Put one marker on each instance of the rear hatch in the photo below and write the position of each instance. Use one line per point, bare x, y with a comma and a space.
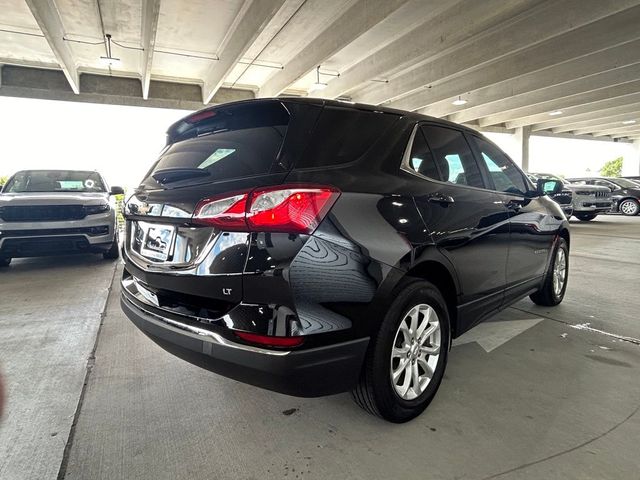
212, 153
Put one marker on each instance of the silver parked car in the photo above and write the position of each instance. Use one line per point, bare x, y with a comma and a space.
587, 201
48, 212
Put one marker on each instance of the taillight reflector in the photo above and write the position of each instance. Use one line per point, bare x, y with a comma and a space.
269, 341
287, 209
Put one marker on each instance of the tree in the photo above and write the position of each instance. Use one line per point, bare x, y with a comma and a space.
3, 180
613, 168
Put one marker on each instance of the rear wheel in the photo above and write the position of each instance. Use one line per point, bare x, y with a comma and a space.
114, 251
555, 282
5, 261
406, 360
585, 217
629, 207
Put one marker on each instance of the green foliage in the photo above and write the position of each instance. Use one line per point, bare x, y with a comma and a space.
3, 180
613, 168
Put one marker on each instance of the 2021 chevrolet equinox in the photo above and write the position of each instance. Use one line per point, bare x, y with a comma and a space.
312, 247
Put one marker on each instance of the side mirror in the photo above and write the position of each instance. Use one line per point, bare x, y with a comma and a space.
116, 191
548, 186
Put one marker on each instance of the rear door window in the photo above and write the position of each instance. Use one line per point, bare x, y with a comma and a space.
343, 135
450, 158
234, 142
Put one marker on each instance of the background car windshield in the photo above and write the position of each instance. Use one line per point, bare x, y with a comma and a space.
54, 181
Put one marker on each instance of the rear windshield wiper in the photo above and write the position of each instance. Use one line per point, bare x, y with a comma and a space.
170, 175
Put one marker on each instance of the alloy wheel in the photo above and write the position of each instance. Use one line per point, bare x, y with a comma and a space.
629, 207
415, 351
559, 271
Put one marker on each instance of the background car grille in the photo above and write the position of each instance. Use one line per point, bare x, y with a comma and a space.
601, 194
31, 213
563, 198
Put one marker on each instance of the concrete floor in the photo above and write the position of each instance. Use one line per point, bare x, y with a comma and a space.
526, 396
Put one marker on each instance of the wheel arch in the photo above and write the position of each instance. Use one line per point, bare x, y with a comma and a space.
438, 274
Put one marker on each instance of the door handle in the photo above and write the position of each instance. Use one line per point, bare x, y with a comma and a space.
440, 198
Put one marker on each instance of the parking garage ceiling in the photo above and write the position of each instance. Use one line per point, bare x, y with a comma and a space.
560, 67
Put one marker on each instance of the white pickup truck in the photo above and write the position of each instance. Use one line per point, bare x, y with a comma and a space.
49, 212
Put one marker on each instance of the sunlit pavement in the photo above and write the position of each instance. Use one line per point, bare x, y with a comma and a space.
536, 393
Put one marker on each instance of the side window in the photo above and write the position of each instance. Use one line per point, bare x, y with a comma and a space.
343, 135
505, 175
421, 160
452, 156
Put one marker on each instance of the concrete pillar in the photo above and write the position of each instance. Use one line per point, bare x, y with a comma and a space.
636, 158
522, 135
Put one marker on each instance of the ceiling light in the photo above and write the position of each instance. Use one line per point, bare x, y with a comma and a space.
556, 112
459, 101
318, 85
628, 122
109, 60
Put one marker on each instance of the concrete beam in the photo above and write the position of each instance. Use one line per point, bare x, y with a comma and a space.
253, 18
568, 105
358, 19
576, 137
27, 82
607, 125
618, 131
620, 114
48, 19
455, 22
569, 119
517, 47
605, 68
150, 14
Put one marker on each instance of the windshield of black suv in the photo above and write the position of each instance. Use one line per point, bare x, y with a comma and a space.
54, 181
624, 183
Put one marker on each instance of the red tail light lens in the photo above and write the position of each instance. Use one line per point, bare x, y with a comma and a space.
287, 209
290, 210
268, 341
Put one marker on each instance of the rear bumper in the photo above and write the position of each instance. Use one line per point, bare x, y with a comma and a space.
310, 372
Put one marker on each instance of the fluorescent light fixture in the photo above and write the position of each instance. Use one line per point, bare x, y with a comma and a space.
318, 86
110, 61
458, 102
628, 122
555, 112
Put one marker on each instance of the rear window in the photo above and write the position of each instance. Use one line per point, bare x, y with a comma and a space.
238, 141
343, 135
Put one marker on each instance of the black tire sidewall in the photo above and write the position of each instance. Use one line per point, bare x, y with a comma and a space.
391, 406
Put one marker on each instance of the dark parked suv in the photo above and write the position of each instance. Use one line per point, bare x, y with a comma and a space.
312, 247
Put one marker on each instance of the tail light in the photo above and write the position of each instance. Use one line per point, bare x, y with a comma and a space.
269, 341
287, 208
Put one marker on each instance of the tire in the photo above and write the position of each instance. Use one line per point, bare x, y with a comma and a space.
114, 251
585, 217
549, 295
629, 207
376, 392
5, 261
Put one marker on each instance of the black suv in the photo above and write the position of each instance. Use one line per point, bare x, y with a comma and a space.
312, 247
